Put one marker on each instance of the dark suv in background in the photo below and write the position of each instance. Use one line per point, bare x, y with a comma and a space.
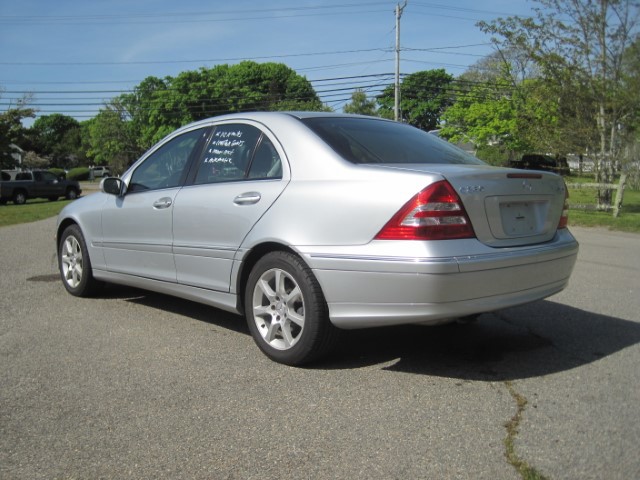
534, 161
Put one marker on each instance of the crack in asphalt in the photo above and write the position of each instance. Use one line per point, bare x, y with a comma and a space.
512, 426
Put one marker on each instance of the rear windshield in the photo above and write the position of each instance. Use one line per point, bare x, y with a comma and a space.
369, 140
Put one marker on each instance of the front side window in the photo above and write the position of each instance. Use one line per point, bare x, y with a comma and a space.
165, 167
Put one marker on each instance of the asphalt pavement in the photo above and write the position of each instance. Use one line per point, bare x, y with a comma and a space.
136, 385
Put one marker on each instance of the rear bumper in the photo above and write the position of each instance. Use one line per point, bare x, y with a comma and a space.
369, 290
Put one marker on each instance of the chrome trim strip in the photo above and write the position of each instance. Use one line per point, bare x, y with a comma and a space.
506, 252
143, 247
205, 247
377, 258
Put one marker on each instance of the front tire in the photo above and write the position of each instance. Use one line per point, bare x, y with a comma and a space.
286, 310
75, 264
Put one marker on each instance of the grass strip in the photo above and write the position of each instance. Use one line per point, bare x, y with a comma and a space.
32, 211
526, 471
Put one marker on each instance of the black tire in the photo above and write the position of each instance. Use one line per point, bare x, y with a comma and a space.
75, 265
20, 197
72, 194
294, 327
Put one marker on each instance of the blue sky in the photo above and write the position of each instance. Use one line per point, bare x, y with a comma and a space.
72, 54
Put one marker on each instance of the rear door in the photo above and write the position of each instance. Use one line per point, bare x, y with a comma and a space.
238, 177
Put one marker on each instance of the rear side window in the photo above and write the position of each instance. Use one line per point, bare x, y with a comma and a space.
238, 152
369, 140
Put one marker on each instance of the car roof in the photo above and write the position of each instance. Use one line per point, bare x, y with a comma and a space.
273, 116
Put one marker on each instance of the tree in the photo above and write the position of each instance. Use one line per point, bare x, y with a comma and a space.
360, 104
11, 130
580, 46
506, 114
158, 106
424, 97
32, 160
56, 136
110, 139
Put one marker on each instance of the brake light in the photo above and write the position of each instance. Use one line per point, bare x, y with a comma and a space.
435, 213
564, 218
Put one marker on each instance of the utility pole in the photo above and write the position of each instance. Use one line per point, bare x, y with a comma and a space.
396, 108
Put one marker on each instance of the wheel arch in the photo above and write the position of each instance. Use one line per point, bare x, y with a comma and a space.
67, 222
255, 254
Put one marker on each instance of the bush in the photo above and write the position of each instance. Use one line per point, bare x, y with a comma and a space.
58, 172
493, 155
80, 173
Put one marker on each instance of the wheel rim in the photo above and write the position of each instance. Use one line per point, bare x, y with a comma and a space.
72, 262
278, 309
72, 195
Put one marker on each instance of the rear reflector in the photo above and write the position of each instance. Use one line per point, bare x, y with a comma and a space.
564, 219
436, 213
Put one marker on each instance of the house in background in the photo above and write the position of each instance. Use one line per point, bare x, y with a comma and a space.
17, 154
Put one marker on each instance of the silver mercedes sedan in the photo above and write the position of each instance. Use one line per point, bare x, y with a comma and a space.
309, 223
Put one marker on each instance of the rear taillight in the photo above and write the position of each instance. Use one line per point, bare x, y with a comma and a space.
564, 219
436, 213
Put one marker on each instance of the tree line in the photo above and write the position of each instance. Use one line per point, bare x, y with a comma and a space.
566, 80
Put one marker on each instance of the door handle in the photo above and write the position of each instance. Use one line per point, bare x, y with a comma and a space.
248, 198
164, 202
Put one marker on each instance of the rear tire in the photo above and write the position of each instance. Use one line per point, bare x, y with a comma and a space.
286, 311
72, 194
19, 198
75, 265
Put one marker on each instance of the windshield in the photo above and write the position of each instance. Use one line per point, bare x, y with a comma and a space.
370, 140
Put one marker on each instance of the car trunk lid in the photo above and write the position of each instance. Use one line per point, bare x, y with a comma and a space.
507, 207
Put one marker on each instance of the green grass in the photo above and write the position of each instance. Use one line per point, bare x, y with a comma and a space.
526, 471
32, 211
628, 220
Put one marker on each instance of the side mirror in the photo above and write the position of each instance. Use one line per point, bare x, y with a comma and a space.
112, 186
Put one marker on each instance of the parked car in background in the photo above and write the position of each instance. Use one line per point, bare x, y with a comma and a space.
100, 171
547, 163
37, 184
308, 223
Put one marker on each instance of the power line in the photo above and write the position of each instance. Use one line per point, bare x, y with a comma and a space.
173, 15
97, 21
202, 60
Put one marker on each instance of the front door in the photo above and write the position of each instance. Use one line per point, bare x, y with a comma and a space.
137, 227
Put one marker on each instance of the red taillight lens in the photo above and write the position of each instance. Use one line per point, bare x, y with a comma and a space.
564, 219
436, 213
